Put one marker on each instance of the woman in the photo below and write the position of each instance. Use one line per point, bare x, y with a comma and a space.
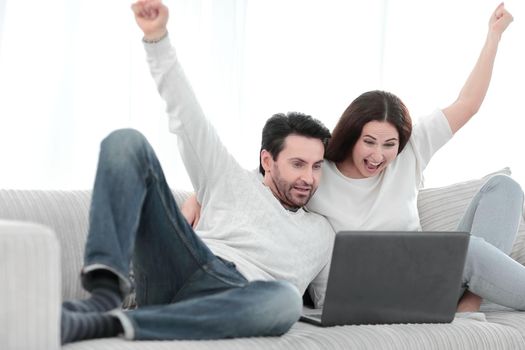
375, 168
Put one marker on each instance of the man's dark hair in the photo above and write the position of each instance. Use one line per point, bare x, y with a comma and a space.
281, 125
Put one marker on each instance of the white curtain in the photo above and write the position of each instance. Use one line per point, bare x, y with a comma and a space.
430, 48
72, 71
2, 13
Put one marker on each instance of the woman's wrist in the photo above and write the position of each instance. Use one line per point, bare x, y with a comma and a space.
492, 40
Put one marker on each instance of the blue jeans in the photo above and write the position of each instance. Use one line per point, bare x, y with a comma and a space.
493, 218
183, 290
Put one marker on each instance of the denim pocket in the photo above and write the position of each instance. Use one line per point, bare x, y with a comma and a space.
228, 263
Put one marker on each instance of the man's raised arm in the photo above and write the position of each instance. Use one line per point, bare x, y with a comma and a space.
205, 157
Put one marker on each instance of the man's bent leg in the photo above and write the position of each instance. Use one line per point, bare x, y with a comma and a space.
176, 265
260, 308
125, 163
116, 205
132, 202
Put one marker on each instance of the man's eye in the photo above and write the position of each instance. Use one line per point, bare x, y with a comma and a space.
297, 165
317, 166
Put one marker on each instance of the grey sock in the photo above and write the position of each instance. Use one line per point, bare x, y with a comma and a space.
101, 300
77, 326
105, 293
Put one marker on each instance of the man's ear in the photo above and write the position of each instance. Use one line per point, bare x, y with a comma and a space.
266, 160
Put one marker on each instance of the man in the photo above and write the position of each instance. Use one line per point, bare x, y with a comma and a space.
256, 250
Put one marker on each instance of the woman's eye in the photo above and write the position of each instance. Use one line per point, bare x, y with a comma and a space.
368, 142
390, 145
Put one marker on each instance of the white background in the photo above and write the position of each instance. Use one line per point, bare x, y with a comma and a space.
71, 71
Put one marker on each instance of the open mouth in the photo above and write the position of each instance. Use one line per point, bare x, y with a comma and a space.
372, 166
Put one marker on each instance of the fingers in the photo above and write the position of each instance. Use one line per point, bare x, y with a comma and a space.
137, 7
499, 7
501, 12
503, 19
197, 218
191, 210
500, 19
147, 9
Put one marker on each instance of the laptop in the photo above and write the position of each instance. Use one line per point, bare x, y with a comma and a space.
393, 277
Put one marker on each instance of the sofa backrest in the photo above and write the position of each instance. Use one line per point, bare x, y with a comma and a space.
66, 212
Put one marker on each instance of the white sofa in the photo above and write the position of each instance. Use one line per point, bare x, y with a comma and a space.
42, 235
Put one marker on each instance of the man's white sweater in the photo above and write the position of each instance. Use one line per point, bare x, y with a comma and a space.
241, 220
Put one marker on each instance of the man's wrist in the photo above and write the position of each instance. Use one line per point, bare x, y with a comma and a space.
155, 38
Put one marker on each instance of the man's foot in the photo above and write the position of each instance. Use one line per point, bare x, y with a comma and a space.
77, 326
105, 293
101, 300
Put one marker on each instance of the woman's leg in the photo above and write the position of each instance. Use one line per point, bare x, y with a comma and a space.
493, 218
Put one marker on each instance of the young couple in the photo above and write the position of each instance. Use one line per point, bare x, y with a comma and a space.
256, 249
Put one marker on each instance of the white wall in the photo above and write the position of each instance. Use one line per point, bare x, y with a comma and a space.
72, 71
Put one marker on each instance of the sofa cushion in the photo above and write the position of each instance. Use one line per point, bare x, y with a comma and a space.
441, 209
462, 334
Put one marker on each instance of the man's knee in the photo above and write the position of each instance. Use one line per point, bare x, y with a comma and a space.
289, 296
284, 307
123, 143
123, 138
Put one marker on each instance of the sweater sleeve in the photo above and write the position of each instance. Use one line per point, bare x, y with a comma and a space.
317, 287
203, 154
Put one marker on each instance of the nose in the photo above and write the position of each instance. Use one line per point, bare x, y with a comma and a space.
308, 176
377, 154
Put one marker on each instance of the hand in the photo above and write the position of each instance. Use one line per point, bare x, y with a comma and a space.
152, 18
191, 210
499, 20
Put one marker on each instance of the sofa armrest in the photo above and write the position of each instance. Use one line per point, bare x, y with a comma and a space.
30, 292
